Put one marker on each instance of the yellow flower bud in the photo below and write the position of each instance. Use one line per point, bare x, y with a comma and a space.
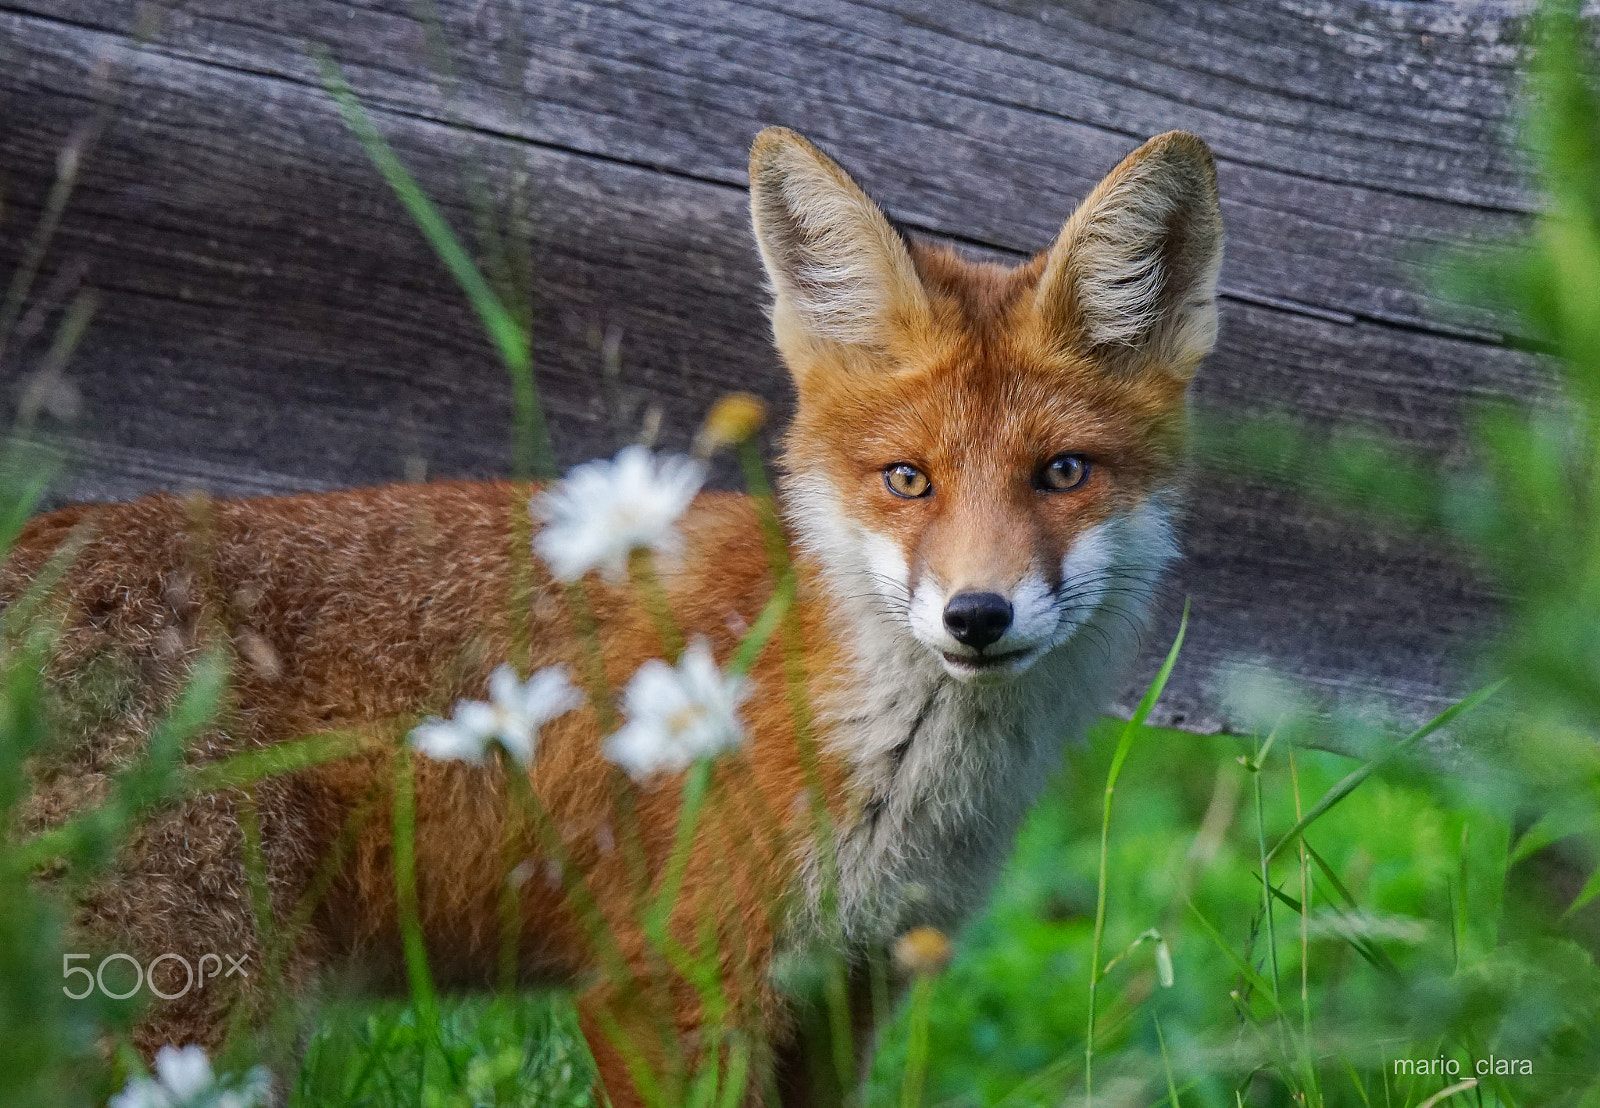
923, 951
732, 420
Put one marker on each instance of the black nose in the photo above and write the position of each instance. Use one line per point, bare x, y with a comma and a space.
977, 619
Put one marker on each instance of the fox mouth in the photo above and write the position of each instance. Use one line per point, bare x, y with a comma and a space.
969, 665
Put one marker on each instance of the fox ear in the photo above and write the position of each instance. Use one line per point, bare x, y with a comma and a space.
841, 274
1132, 277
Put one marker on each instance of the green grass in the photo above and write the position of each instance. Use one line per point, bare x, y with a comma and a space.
1008, 1017
523, 1051
1013, 1004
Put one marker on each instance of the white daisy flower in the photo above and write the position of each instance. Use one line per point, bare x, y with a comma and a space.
604, 511
512, 717
677, 714
184, 1080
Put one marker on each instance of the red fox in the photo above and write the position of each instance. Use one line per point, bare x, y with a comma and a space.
979, 487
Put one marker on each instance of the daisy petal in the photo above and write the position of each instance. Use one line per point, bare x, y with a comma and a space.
604, 510
678, 714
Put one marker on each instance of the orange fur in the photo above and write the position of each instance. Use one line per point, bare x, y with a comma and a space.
364, 610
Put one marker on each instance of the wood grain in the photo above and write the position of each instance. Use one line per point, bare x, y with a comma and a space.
270, 319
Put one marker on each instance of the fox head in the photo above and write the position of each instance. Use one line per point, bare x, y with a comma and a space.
990, 454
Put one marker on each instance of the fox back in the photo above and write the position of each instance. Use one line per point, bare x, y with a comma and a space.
979, 487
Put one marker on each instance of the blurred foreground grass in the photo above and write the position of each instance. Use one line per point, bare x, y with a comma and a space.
1008, 1017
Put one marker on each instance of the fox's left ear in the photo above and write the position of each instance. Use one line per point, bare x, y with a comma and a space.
1132, 277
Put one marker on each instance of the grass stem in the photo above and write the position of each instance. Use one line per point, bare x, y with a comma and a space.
1266, 870
917, 1042
653, 594
1124, 745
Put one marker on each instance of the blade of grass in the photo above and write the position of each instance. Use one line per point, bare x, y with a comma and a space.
250, 766
404, 815
654, 595
695, 788
68, 163
139, 789
1371, 950
1449, 1091
1166, 1066
255, 872
755, 639
733, 1089
327, 871
1355, 1079
1356, 942
1254, 765
74, 323
1124, 745
1353, 780
1548, 830
23, 483
1590, 890
1240, 966
532, 456
1313, 1088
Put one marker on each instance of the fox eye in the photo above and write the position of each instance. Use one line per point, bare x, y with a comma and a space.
907, 480
1063, 473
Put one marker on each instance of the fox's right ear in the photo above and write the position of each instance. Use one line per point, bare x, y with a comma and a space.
841, 274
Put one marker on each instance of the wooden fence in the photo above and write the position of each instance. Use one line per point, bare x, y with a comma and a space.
269, 319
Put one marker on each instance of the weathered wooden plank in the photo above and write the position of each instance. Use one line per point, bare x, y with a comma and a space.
270, 318
1353, 138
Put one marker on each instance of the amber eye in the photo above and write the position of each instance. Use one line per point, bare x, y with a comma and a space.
1063, 473
907, 480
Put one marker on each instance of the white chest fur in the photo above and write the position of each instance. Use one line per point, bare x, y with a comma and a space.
943, 770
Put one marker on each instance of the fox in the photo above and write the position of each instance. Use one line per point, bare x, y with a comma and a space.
979, 488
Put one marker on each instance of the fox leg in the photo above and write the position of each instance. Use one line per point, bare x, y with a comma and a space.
649, 1044
816, 1065
621, 1030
